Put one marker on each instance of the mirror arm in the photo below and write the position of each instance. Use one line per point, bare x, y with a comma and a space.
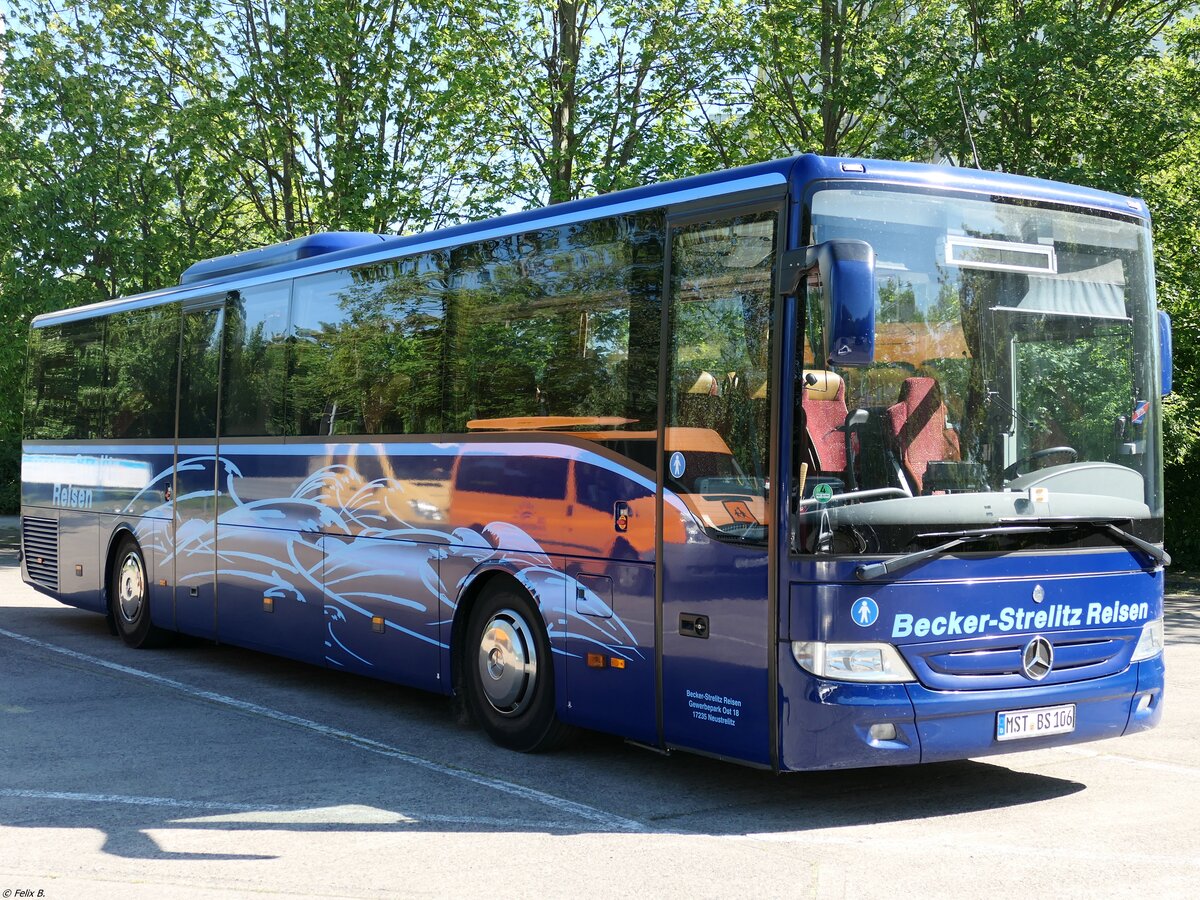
796, 264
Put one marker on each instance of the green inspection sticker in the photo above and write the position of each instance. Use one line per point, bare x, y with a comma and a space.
823, 492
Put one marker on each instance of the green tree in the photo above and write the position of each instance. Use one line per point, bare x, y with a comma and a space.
106, 191
1171, 186
1069, 91
820, 77
575, 98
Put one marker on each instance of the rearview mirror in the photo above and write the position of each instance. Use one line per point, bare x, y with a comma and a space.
1164, 352
846, 269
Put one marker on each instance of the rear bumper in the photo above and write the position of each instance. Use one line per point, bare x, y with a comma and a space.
828, 724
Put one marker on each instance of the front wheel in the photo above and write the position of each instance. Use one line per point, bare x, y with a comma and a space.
129, 596
509, 674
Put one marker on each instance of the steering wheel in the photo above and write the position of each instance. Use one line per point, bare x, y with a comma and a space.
1011, 471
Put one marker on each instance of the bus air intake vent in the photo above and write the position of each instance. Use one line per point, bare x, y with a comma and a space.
277, 254
40, 540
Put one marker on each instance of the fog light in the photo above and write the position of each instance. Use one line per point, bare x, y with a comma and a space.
882, 731
1143, 703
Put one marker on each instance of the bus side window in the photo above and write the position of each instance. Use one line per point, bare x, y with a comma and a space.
199, 370
722, 299
321, 396
142, 350
562, 321
64, 392
367, 349
497, 341
254, 369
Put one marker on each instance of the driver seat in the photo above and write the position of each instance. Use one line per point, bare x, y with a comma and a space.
917, 429
824, 403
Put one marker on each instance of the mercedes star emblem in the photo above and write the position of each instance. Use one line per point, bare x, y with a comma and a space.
1037, 659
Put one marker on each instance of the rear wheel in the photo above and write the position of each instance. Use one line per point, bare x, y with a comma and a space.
129, 596
509, 674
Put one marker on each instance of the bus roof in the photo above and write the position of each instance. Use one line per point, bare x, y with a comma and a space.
335, 250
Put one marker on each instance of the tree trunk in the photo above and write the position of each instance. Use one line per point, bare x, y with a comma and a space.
563, 66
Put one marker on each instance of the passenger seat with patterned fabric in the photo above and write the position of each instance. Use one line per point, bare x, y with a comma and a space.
918, 431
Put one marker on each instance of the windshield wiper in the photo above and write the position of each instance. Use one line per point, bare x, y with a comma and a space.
1101, 523
1026, 525
870, 572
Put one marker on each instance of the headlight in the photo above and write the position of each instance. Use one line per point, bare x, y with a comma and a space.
852, 662
1150, 644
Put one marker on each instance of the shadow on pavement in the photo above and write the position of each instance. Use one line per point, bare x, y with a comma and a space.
764, 804
100, 741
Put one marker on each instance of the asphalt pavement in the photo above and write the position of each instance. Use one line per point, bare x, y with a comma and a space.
204, 770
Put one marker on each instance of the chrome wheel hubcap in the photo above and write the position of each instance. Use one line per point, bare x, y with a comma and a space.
508, 663
131, 587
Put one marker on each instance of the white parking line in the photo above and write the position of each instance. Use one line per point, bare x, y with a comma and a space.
600, 818
1153, 765
271, 814
133, 801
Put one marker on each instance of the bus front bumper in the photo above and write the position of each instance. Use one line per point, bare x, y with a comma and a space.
834, 725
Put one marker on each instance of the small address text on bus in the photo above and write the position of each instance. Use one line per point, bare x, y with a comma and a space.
715, 708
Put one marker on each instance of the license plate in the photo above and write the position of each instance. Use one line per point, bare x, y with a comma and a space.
1016, 724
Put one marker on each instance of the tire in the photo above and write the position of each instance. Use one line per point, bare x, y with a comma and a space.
129, 598
509, 673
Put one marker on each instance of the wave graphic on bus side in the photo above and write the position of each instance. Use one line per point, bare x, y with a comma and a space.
343, 551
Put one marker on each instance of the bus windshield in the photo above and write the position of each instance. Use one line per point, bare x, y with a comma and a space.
1015, 373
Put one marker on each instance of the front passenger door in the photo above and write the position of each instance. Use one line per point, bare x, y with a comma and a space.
718, 626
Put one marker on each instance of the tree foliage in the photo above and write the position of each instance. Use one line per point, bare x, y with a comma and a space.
136, 139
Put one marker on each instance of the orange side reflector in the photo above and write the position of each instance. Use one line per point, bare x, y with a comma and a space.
616, 662
595, 660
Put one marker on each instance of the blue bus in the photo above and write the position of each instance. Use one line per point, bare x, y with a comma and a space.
810, 464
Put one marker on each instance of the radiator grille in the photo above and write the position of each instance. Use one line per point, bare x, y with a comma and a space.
997, 663
40, 540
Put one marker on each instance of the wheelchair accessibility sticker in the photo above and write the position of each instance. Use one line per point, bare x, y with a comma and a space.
866, 612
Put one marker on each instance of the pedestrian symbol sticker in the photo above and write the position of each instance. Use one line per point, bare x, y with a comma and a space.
678, 465
823, 492
865, 611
